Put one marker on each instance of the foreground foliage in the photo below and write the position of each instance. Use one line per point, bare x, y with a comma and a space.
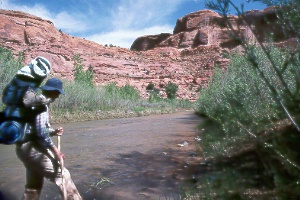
251, 129
242, 120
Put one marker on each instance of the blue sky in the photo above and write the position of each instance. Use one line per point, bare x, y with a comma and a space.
116, 22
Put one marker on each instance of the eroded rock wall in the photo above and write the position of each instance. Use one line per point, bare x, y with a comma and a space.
185, 57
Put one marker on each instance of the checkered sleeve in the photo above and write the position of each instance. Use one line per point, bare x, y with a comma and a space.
43, 129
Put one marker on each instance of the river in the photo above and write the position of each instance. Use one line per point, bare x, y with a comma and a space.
130, 158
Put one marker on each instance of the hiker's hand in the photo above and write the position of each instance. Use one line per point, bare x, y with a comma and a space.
59, 131
58, 155
60, 158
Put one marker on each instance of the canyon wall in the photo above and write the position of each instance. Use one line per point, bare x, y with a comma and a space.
185, 57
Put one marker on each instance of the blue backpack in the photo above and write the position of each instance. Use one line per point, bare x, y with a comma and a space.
16, 117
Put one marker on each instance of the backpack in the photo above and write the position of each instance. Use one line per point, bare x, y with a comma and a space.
12, 132
16, 117
16, 122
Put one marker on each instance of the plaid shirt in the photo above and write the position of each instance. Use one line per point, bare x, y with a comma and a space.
43, 129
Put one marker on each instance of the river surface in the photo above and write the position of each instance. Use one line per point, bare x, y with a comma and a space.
126, 159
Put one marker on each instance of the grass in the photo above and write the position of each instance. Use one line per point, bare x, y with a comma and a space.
83, 103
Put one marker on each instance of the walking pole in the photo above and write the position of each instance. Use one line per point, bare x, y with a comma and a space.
58, 142
59, 148
62, 169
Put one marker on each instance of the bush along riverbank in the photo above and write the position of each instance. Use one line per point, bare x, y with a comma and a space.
250, 133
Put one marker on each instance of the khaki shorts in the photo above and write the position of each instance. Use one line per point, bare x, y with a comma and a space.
41, 164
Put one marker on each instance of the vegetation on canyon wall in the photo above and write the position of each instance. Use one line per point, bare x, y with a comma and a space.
250, 133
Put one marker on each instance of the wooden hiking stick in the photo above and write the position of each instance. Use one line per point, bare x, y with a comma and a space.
62, 168
58, 142
59, 148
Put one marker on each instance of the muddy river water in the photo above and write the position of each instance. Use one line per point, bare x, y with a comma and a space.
129, 158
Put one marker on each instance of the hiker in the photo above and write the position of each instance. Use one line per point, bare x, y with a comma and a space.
40, 156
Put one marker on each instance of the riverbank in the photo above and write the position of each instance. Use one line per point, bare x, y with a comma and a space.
65, 117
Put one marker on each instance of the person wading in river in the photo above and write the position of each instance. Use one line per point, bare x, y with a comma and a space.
41, 158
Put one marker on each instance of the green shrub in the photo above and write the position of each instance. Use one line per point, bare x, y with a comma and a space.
124, 92
154, 95
154, 92
8, 68
171, 90
129, 92
150, 86
85, 77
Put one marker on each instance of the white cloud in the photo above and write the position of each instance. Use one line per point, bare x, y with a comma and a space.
141, 13
125, 37
135, 18
68, 23
63, 20
120, 23
37, 9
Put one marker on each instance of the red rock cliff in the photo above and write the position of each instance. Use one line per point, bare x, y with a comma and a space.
207, 28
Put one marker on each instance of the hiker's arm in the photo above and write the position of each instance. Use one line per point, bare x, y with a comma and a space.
42, 131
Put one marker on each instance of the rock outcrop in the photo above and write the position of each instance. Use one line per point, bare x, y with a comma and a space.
207, 28
185, 57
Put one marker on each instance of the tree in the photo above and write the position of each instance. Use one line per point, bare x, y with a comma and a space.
85, 77
171, 90
150, 86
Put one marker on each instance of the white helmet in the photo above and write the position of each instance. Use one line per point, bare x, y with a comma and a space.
38, 68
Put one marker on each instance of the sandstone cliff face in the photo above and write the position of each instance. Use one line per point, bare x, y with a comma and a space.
185, 57
207, 28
